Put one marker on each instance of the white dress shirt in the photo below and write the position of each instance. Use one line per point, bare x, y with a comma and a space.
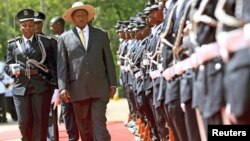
25, 40
86, 34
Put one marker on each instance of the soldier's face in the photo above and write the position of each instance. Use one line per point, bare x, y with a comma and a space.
122, 35
55, 28
132, 34
38, 27
138, 35
158, 15
80, 18
127, 35
151, 17
145, 31
27, 28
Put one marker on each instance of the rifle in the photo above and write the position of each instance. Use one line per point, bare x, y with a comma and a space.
227, 19
162, 39
169, 25
177, 46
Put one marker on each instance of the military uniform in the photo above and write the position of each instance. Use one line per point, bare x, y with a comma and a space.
32, 86
172, 97
53, 134
236, 80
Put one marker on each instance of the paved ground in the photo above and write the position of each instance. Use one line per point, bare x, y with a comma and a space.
117, 111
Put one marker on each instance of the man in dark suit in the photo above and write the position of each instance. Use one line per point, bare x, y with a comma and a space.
67, 112
57, 24
30, 61
86, 72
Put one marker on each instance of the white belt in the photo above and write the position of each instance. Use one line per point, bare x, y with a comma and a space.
145, 62
138, 74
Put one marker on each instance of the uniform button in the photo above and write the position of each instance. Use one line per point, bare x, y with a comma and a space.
217, 66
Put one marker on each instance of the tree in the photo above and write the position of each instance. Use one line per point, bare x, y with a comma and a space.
108, 13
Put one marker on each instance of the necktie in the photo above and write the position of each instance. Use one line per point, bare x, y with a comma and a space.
82, 37
28, 44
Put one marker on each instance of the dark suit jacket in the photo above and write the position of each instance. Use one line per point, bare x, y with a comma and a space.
86, 74
38, 83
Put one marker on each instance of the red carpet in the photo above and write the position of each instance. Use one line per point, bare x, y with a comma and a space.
117, 130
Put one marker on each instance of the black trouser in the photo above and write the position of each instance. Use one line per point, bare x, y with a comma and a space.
159, 113
131, 101
3, 118
91, 119
33, 113
161, 121
53, 134
70, 121
154, 132
10, 107
237, 82
177, 123
144, 105
191, 122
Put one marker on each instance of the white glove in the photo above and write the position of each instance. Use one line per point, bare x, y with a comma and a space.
183, 107
15, 69
56, 98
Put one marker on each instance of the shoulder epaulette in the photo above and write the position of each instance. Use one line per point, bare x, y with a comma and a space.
44, 36
14, 39
53, 37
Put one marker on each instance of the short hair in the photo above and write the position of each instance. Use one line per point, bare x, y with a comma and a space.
57, 19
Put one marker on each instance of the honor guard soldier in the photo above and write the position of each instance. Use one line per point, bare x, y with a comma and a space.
53, 134
180, 52
155, 19
233, 39
31, 62
208, 80
127, 75
39, 18
172, 93
57, 25
121, 31
145, 120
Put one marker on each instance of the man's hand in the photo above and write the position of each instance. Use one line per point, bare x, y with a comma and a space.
56, 98
15, 69
16, 72
112, 91
64, 94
